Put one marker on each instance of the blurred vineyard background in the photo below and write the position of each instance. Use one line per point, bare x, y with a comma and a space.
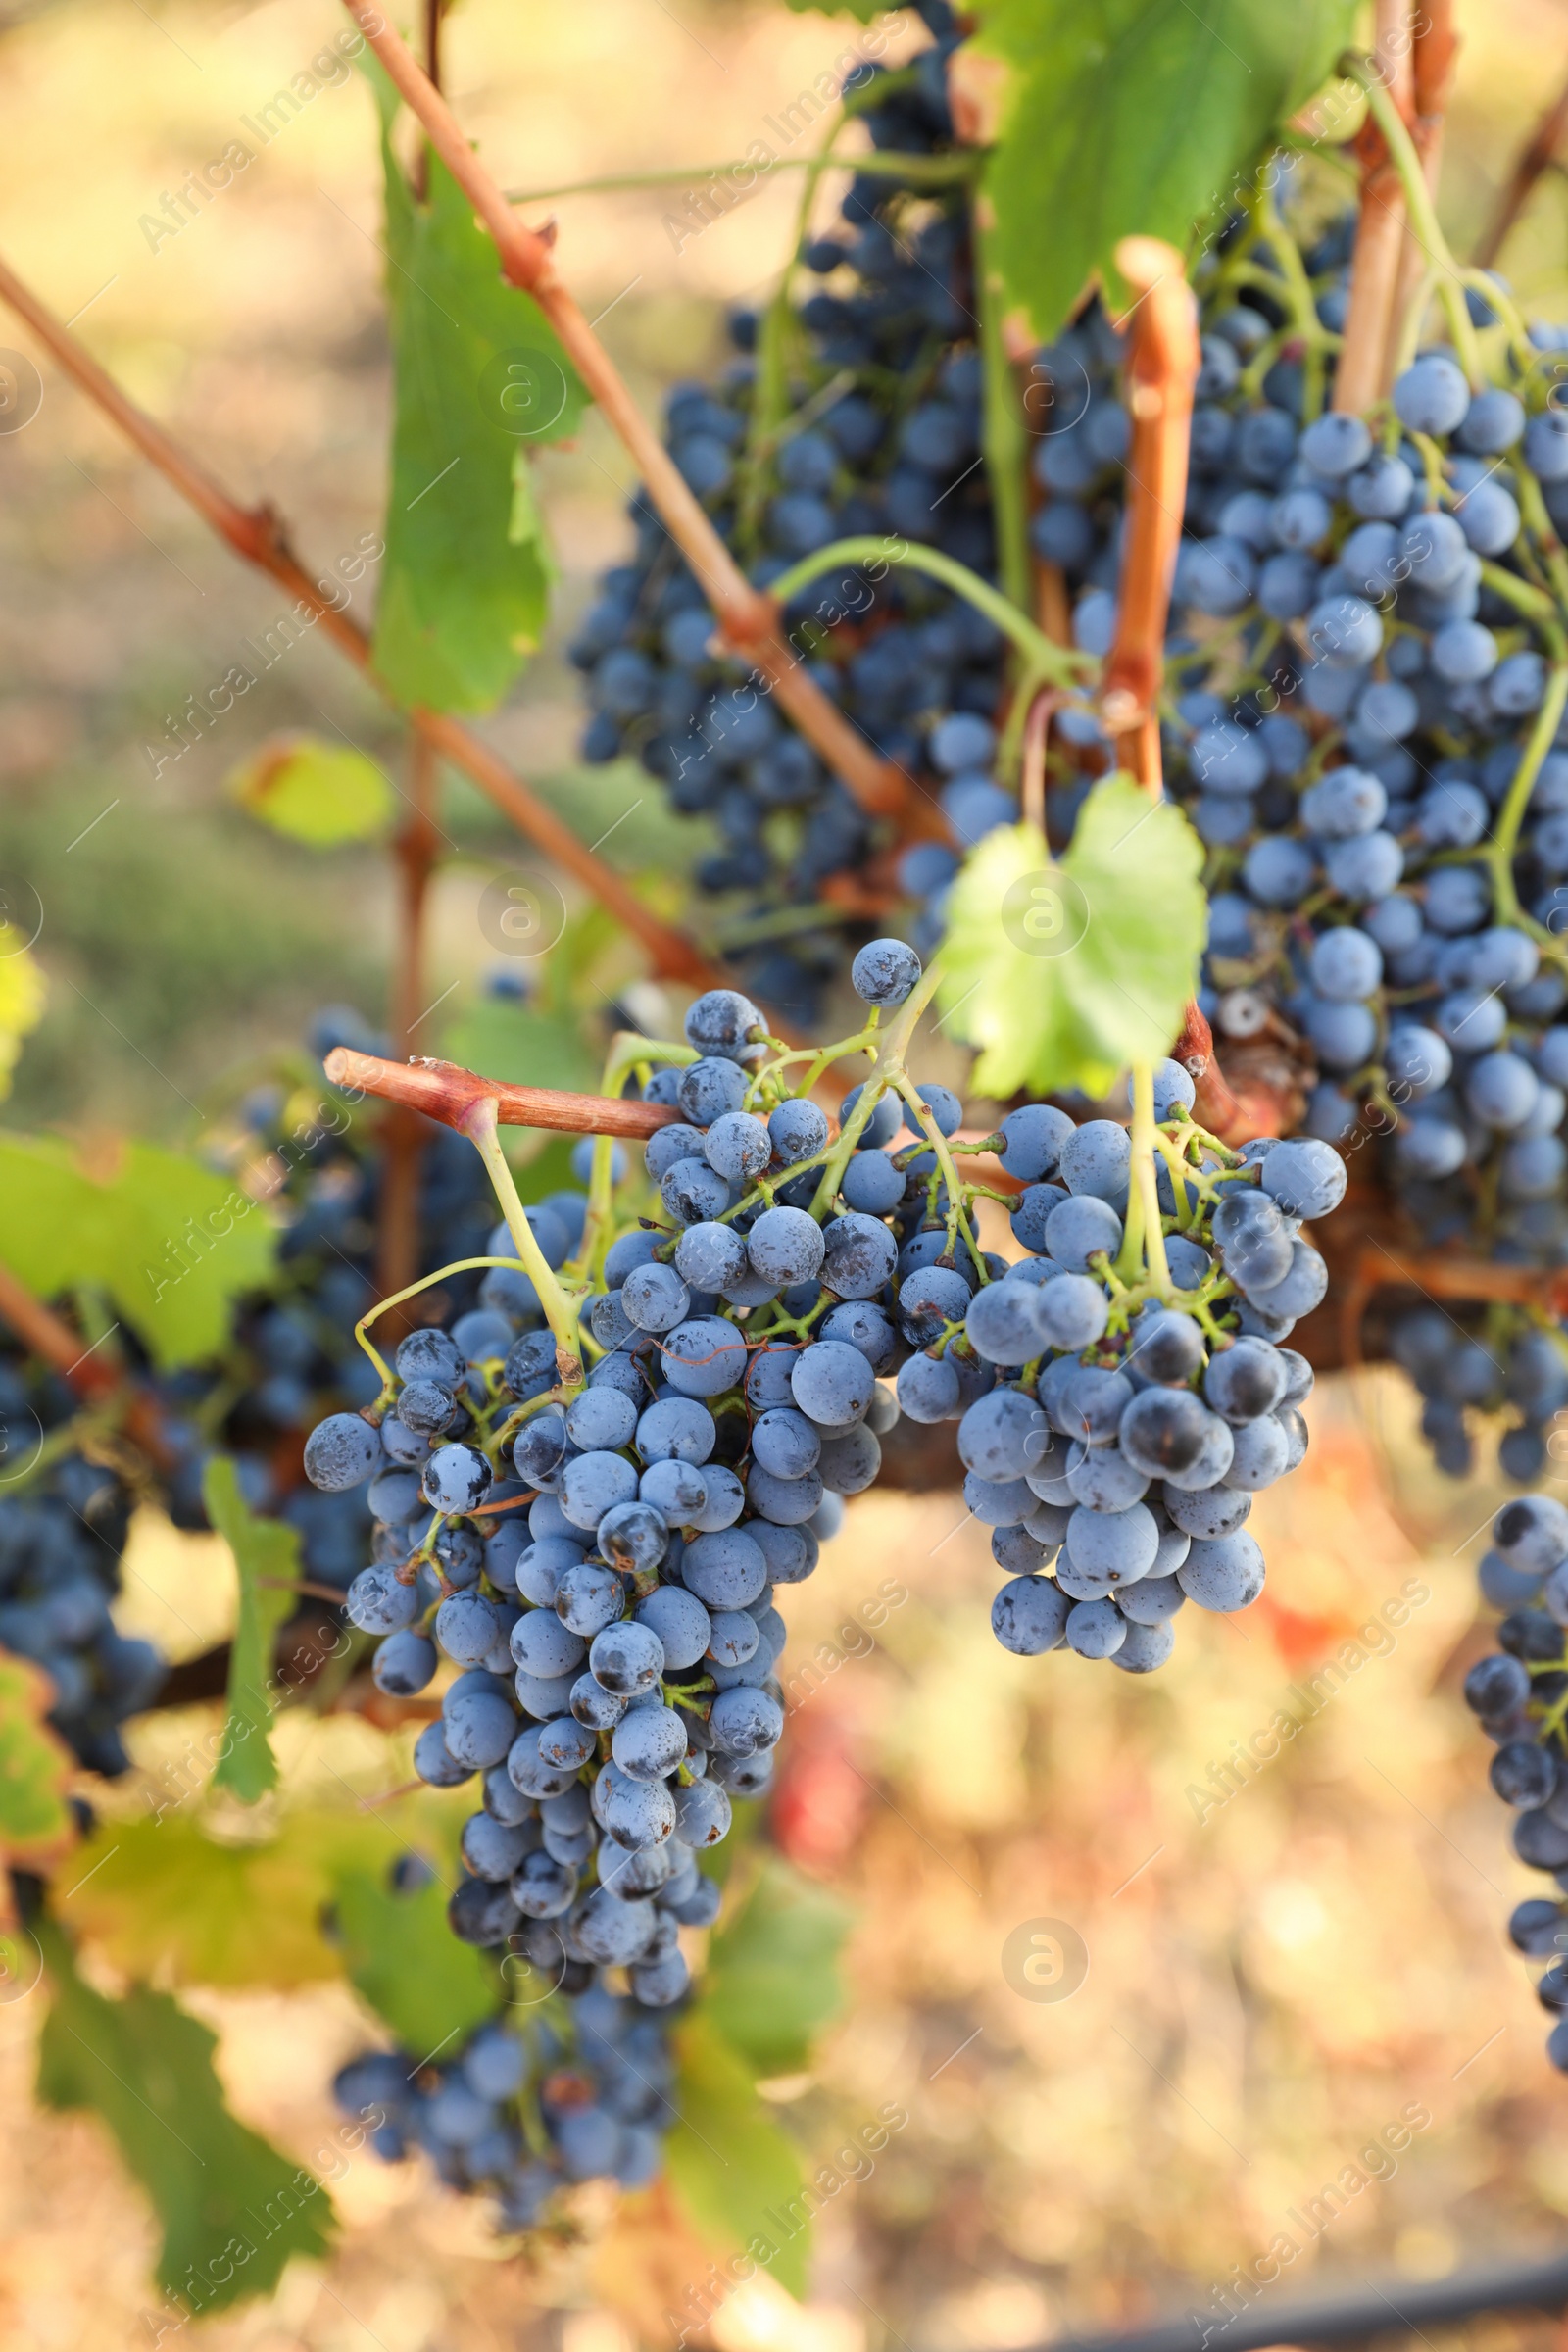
1269, 1987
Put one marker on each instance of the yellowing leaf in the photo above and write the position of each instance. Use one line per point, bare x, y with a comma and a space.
232, 2209
1124, 117
35, 1822
170, 1242
267, 1553
21, 999
1063, 973
160, 1894
318, 793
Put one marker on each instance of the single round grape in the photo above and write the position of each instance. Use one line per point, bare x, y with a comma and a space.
1071, 1311
721, 1022
676, 1429
927, 1389
725, 1570
654, 1299
404, 1664
378, 1603
341, 1451
785, 1245
1223, 1573
799, 1130
456, 1477
1029, 1616
649, 1742
885, 972
626, 1659
709, 1257
704, 1356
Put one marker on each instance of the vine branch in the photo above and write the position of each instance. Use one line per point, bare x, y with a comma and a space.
1380, 234
748, 616
1162, 370
258, 535
444, 1091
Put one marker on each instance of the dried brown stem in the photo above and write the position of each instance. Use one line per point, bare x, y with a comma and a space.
1162, 370
1380, 231
258, 535
749, 618
1536, 158
1235, 1113
415, 857
443, 1091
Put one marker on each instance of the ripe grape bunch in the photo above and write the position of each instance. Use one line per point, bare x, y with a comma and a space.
882, 436
1123, 1390
1372, 742
1520, 1693
615, 1635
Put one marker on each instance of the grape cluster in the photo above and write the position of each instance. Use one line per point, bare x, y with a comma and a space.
1115, 1420
63, 1528
1520, 1693
599, 1558
1370, 741
883, 438
574, 2087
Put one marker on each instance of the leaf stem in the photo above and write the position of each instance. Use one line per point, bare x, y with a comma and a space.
481, 1128
1423, 214
1505, 837
1063, 665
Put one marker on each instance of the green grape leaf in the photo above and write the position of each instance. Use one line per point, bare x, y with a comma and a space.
1063, 973
522, 1046
267, 1554
771, 1981
480, 380
170, 1242
405, 1961
232, 2210
35, 1769
1124, 117
315, 792
734, 2170
160, 1894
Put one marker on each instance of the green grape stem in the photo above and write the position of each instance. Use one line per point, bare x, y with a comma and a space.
1424, 222
483, 1132
1046, 661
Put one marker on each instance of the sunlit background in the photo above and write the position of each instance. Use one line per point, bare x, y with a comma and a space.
1271, 1982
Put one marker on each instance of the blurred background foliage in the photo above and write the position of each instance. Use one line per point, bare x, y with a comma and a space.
1267, 1987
